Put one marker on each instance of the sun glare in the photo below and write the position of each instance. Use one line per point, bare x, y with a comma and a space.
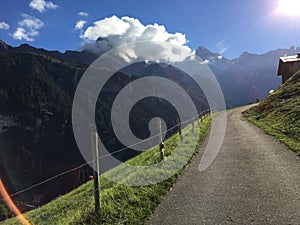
12, 205
289, 7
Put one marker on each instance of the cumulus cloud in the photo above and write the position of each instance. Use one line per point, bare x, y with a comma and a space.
84, 14
111, 32
30, 22
28, 28
80, 24
107, 27
4, 26
22, 34
42, 5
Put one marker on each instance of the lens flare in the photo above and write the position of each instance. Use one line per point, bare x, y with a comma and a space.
12, 205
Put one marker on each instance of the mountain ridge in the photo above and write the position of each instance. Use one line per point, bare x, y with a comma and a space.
252, 75
203, 52
79, 57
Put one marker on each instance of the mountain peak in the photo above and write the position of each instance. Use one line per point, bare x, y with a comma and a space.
26, 47
246, 53
205, 54
3, 45
294, 48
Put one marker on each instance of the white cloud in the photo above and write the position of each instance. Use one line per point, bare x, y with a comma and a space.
31, 22
106, 27
42, 5
4, 26
80, 24
83, 14
28, 28
114, 31
22, 34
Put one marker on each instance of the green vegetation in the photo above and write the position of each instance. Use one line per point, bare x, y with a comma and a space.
36, 92
279, 114
4, 211
121, 204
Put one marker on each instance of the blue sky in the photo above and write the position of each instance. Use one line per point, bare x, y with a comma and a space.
229, 27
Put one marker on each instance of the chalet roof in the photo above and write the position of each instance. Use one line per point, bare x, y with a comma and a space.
292, 58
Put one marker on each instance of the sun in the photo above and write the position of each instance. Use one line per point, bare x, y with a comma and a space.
289, 7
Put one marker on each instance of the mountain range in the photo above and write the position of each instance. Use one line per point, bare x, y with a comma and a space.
36, 92
243, 80
249, 77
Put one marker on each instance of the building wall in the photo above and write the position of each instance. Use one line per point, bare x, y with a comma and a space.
289, 69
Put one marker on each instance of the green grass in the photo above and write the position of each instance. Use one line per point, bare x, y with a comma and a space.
120, 204
279, 114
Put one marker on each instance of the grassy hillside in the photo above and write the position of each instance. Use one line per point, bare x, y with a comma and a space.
279, 114
121, 204
36, 91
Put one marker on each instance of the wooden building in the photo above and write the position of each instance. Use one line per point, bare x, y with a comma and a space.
288, 65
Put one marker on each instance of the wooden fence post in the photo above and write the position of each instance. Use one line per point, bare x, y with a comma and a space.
96, 172
193, 125
161, 143
179, 128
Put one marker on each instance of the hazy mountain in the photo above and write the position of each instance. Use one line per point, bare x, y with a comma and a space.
247, 78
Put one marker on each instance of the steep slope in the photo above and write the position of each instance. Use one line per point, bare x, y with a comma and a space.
36, 136
279, 113
120, 204
36, 140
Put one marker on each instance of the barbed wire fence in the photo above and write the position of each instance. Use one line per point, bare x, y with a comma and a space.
182, 124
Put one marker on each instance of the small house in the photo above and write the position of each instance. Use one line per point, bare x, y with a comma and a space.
288, 65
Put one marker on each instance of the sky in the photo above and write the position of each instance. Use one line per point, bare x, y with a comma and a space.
228, 27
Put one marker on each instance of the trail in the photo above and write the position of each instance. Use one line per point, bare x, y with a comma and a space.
254, 180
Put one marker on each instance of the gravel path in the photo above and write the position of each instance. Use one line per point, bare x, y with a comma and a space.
253, 180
